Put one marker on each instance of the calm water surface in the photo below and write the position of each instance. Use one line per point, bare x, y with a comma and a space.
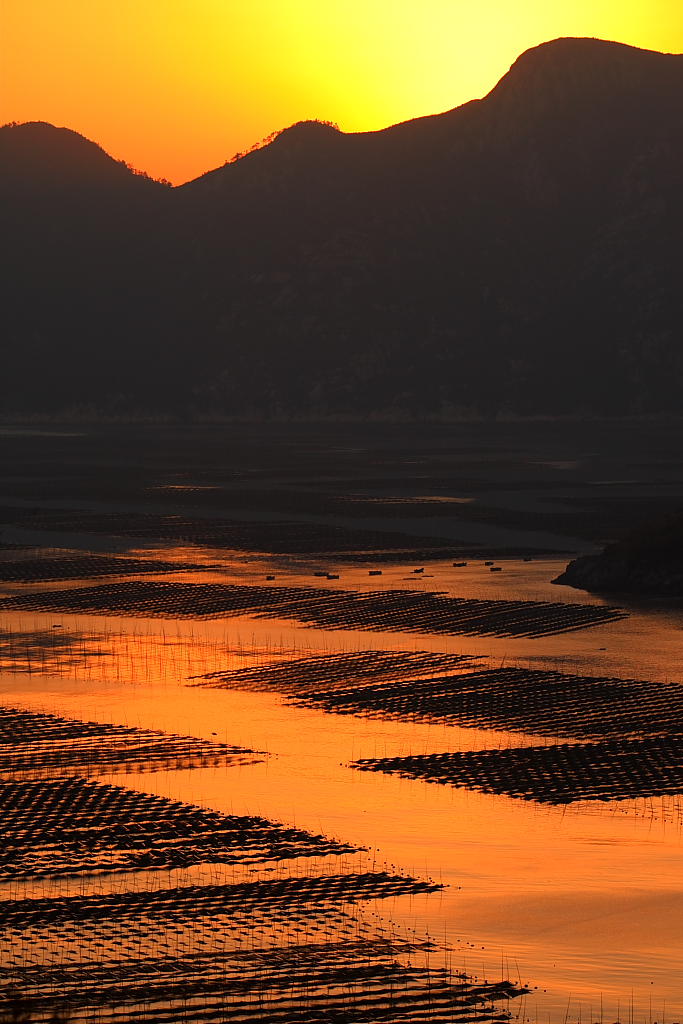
584, 902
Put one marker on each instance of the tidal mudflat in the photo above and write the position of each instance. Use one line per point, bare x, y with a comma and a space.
187, 833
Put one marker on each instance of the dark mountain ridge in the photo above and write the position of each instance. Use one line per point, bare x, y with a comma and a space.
516, 254
40, 157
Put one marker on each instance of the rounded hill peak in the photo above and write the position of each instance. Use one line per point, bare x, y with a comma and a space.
306, 135
581, 70
309, 129
37, 154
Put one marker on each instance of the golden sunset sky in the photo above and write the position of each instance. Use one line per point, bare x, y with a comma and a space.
176, 87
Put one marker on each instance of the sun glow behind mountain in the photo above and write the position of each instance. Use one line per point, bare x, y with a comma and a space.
177, 87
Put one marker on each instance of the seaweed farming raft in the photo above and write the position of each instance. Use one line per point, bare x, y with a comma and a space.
84, 567
76, 826
289, 951
32, 743
288, 948
561, 773
403, 611
442, 688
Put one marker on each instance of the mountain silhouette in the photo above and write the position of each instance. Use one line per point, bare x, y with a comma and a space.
39, 157
518, 254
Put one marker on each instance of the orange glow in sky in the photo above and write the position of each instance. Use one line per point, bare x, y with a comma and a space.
176, 87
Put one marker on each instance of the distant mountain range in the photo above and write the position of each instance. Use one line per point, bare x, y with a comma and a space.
518, 254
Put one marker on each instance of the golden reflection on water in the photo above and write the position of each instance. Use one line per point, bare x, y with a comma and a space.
585, 901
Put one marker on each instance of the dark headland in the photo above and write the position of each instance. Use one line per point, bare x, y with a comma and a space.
518, 255
648, 561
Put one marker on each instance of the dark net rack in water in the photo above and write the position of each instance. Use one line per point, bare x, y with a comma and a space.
288, 951
404, 611
325, 671
561, 773
440, 688
75, 826
84, 567
240, 900
33, 743
377, 986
